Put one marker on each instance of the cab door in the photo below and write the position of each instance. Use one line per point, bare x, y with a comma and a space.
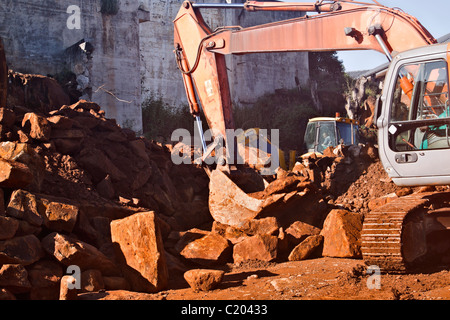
414, 133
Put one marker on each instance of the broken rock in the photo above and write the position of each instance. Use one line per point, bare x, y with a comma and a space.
212, 249
14, 277
8, 227
342, 234
299, 231
258, 247
14, 174
36, 126
70, 251
61, 216
204, 279
20, 250
139, 247
45, 277
24, 206
307, 248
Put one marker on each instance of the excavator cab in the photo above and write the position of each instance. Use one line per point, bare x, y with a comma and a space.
414, 126
324, 132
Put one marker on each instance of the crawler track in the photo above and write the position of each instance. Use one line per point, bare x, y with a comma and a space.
384, 240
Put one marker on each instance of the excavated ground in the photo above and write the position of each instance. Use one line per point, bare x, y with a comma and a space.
316, 279
76, 168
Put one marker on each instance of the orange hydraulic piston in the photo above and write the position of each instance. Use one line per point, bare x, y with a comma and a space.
294, 6
406, 86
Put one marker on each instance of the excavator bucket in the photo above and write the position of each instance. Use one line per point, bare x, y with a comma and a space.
3, 76
228, 203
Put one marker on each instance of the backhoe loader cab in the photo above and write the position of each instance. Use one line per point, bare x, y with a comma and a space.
325, 132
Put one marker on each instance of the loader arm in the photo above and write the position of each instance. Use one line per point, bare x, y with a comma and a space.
338, 25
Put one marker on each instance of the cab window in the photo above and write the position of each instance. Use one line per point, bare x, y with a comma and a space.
420, 115
327, 136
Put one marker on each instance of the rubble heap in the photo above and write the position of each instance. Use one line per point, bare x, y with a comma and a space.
80, 193
68, 172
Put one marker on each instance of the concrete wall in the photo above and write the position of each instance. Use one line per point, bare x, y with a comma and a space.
132, 52
36, 37
250, 76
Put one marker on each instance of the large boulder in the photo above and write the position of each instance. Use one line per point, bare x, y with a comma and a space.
342, 234
140, 251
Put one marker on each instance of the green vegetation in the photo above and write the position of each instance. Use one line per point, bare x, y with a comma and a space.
160, 119
286, 110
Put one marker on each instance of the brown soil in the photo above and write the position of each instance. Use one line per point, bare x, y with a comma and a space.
315, 279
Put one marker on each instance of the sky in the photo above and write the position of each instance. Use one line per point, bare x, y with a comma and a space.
432, 14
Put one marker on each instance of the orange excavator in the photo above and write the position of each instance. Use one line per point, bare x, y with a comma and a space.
412, 117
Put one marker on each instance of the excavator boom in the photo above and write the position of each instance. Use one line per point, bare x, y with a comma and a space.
339, 25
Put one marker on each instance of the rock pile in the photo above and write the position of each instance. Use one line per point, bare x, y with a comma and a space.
69, 180
85, 200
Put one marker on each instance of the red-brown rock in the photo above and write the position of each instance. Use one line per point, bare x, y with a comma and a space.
258, 247
299, 231
14, 174
204, 279
342, 234
21, 250
212, 249
8, 227
70, 251
45, 277
14, 277
36, 126
92, 281
139, 247
307, 248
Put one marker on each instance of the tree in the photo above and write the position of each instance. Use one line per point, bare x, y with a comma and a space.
327, 82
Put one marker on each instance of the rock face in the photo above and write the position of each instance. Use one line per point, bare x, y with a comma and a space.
341, 232
138, 244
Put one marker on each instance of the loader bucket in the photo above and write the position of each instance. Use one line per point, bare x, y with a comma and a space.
228, 203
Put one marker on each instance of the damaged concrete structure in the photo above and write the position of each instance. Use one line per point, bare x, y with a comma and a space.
121, 52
